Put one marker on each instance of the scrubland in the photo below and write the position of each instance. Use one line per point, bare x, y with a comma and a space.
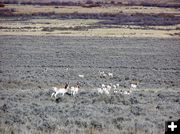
42, 46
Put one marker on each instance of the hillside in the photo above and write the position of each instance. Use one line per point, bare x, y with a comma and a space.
94, 1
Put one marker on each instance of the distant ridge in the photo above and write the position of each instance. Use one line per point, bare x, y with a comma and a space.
95, 3
104, 1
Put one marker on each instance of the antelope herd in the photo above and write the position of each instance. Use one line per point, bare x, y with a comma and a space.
64, 88
104, 89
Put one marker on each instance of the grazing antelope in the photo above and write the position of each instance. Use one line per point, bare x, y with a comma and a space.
100, 90
134, 84
109, 87
102, 74
106, 89
74, 89
110, 74
81, 76
59, 90
127, 92
119, 91
103, 85
114, 86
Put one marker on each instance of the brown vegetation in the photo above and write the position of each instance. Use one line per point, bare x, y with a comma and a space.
94, 3
2, 5
125, 20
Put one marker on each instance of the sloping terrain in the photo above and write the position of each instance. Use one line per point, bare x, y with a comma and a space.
106, 1
78, 20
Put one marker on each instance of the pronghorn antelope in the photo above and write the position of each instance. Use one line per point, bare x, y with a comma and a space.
100, 90
62, 89
104, 89
103, 85
117, 85
110, 74
134, 84
81, 75
108, 88
102, 74
105, 75
127, 92
114, 86
74, 89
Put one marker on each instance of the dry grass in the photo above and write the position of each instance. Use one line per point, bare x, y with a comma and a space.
6, 129
38, 24
82, 27
13, 129
65, 27
29, 9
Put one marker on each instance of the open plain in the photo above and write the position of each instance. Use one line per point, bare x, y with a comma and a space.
31, 65
91, 43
